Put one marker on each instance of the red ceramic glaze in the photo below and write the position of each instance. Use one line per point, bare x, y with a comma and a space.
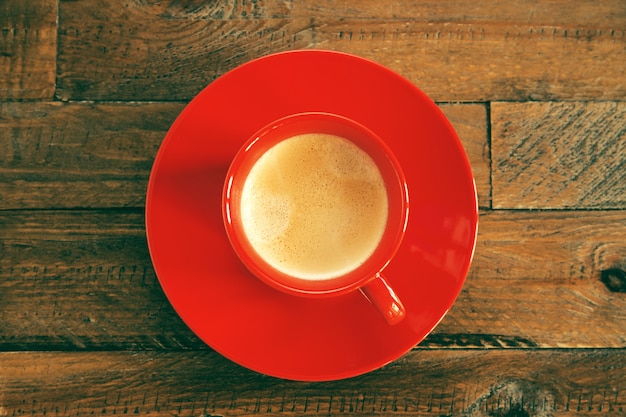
254, 324
315, 122
384, 299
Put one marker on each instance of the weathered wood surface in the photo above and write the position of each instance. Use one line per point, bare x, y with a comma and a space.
570, 383
28, 49
101, 154
147, 51
535, 282
545, 155
171, 50
58, 155
559, 155
536, 91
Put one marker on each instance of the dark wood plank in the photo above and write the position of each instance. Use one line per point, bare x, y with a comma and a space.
165, 51
558, 383
28, 47
547, 155
538, 276
69, 155
459, 50
458, 61
55, 155
559, 155
92, 277
535, 282
452, 51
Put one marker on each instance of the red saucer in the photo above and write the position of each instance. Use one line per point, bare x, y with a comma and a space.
264, 329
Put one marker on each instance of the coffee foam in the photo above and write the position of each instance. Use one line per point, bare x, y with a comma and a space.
314, 206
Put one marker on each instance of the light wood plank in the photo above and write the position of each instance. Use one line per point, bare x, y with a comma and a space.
559, 155
426, 383
573, 14
69, 155
28, 47
535, 282
149, 51
217, 9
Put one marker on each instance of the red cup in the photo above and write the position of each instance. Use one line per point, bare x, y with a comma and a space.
364, 273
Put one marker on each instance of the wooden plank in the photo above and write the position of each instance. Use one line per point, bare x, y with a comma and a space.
69, 155
538, 276
217, 10
470, 123
575, 14
458, 61
559, 155
79, 155
459, 50
535, 282
169, 51
559, 383
94, 282
454, 54
28, 46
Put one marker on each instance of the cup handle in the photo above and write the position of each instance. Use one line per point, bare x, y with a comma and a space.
382, 296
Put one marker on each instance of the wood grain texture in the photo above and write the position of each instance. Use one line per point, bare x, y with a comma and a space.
426, 383
164, 50
97, 155
559, 155
80, 154
535, 282
460, 61
471, 124
459, 50
573, 14
537, 276
536, 91
92, 281
516, 54
28, 47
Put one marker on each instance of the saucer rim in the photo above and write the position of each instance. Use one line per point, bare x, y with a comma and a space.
334, 375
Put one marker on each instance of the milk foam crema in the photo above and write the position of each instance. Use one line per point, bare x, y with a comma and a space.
314, 206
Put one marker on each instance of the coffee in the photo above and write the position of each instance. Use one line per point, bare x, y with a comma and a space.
314, 206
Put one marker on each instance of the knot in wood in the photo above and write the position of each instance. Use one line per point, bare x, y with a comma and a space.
614, 279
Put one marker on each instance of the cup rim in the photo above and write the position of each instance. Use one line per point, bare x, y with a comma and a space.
357, 277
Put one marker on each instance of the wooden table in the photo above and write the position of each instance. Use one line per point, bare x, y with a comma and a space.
536, 91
